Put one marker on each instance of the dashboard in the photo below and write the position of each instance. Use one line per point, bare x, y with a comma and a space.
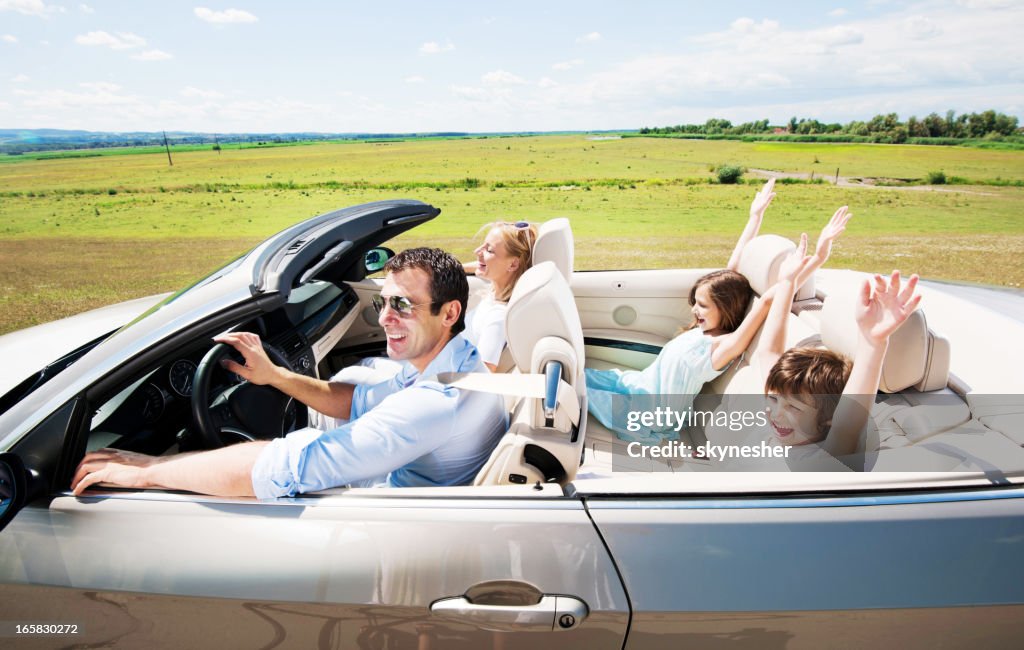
153, 413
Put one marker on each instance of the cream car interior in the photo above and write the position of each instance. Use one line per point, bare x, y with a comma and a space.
922, 419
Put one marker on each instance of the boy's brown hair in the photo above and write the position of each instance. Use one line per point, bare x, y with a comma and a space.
812, 372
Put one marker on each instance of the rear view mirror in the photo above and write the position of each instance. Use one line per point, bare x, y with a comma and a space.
12, 487
376, 258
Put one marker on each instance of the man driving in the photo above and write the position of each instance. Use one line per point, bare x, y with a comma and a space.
407, 431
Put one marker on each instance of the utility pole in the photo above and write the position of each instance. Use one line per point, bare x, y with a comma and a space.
168, 147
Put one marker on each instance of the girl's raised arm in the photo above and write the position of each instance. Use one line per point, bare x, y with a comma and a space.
761, 201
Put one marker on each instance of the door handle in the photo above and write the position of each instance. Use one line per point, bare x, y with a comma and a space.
551, 614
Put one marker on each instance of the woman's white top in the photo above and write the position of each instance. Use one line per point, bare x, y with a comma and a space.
485, 328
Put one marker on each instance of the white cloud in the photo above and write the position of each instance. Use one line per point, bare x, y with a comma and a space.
989, 4
191, 91
29, 7
122, 41
592, 37
470, 93
567, 65
224, 17
86, 9
414, 79
20, 79
9, 38
838, 12
546, 82
152, 55
921, 27
100, 86
840, 35
433, 47
502, 78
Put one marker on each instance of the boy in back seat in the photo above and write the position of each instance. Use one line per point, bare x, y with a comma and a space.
804, 385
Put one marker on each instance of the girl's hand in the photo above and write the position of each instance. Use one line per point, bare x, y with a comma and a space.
881, 314
832, 230
761, 201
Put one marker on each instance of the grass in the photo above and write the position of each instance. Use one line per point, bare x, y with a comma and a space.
79, 233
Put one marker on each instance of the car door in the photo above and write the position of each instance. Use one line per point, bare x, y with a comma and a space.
918, 569
353, 569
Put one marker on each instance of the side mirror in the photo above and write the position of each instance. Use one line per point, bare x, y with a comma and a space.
376, 258
12, 487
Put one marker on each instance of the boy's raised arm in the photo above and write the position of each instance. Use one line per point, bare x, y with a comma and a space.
773, 338
879, 314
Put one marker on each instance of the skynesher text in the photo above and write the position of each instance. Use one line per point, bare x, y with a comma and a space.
676, 449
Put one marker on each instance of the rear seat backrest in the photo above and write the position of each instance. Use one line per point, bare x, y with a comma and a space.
917, 357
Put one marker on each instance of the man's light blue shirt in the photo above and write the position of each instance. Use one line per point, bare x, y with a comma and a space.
411, 428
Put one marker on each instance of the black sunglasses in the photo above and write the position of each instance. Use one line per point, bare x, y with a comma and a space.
400, 304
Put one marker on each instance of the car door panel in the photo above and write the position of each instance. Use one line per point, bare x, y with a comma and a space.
810, 573
352, 567
640, 306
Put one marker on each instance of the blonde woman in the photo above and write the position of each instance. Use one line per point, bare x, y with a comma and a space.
502, 258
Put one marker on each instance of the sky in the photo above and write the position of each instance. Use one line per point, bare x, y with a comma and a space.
395, 66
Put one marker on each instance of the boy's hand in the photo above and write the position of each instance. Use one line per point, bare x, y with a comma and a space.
797, 261
879, 315
831, 231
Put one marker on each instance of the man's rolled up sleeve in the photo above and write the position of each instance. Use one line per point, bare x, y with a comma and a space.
279, 467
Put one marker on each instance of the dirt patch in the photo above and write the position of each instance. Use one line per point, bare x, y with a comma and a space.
864, 182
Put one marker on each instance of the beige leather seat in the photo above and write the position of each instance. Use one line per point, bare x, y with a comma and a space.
544, 338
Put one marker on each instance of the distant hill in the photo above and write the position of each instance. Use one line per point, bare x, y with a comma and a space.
15, 141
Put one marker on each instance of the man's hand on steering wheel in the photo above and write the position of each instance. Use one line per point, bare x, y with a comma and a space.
258, 368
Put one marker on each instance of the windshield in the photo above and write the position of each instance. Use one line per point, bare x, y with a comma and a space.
227, 268
46, 374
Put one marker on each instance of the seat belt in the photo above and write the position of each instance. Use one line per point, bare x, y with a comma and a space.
515, 385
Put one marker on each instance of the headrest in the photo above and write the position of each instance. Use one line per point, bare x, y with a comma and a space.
761, 260
555, 244
542, 306
917, 357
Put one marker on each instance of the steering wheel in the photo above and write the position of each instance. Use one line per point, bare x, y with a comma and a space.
246, 410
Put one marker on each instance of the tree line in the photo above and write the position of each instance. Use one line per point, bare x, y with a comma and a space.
887, 128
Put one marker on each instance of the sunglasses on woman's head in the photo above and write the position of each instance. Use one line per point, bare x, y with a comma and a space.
518, 225
400, 304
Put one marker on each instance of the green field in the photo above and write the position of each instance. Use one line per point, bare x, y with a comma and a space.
81, 232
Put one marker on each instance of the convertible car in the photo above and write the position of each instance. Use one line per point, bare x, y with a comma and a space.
568, 538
